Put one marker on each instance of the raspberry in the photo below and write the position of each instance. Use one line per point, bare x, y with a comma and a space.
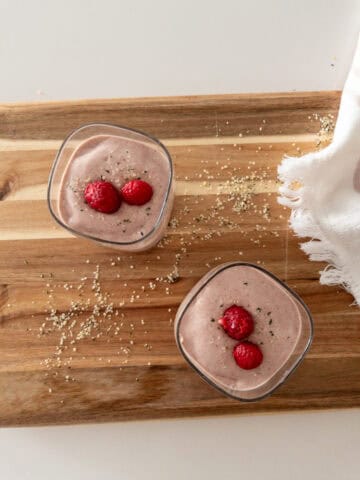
102, 196
247, 355
136, 192
237, 322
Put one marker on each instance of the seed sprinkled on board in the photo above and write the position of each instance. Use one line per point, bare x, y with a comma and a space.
227, 195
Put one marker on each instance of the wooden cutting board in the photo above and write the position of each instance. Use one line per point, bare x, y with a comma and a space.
142, 375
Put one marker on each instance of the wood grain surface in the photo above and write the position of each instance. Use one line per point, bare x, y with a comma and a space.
42, 266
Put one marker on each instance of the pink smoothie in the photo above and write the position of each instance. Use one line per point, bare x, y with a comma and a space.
281, 322
117, 160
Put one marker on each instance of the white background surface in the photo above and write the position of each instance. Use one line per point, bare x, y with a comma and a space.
114, 48
118, 48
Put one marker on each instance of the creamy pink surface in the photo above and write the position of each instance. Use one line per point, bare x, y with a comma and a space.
278, 317
116, 160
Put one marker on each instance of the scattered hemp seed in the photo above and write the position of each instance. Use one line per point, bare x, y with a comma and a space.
232, 191
174, 223
173, 276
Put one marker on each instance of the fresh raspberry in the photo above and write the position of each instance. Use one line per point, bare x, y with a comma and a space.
102, 196
237, 322
247, 355
136, 192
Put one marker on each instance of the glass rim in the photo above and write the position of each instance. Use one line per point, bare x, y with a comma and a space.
91, 237
216, 271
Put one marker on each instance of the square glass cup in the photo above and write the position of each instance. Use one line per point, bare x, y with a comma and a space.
65, 155
195, 340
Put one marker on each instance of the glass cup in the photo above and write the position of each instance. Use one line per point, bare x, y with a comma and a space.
65, 155
283, 329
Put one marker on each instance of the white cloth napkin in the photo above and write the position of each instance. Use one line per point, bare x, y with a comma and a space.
326, 207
